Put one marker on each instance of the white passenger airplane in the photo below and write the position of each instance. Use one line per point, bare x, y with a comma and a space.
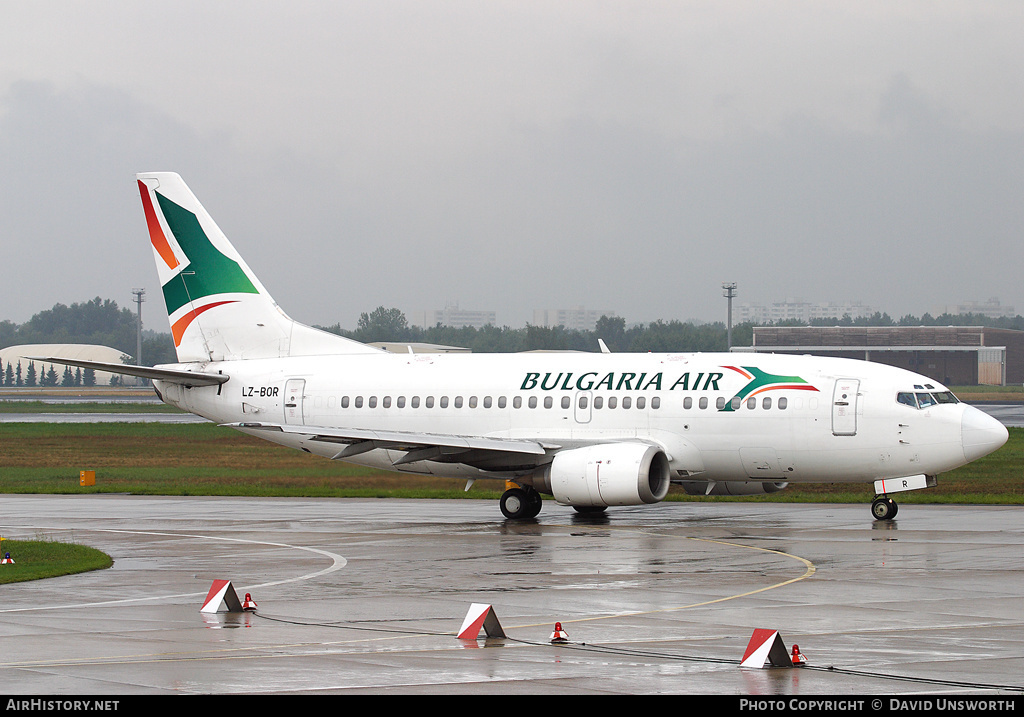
592, 430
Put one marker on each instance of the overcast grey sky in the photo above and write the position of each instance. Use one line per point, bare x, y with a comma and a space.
520, 155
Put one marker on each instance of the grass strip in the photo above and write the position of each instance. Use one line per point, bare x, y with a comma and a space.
36, 559
205, 459
85, 407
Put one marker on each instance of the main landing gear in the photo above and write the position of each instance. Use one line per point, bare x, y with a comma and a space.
884, 508
521, 503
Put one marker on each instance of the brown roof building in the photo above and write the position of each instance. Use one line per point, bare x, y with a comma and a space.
953, 355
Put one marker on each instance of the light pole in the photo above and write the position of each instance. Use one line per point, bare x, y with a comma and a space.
729, 291
140, 295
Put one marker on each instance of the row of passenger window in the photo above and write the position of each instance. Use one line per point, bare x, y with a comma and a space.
501, 402
766, 403
599, 402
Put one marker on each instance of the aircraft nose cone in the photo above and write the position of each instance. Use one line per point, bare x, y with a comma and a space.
980, 433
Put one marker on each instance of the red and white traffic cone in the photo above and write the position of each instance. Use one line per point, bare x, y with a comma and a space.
249, 604
798, 659
559, 636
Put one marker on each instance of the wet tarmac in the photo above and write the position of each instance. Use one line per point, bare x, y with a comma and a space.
1010, 415
366, 596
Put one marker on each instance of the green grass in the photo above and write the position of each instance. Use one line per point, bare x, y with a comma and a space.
36, 559
189, 459
84, 407
1007, 394
205, 459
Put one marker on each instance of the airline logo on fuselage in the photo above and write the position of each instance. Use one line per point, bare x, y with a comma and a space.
612, 381
758, 382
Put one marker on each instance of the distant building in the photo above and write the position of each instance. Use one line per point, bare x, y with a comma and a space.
85, 352
992, 309
577, 318
798, 310
452, 315
953, 355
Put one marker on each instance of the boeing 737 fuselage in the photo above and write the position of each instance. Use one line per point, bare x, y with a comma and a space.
591, 429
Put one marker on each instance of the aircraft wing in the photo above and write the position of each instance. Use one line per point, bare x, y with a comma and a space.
185, 378
478, 451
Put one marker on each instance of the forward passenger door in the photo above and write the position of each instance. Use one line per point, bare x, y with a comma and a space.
844, 407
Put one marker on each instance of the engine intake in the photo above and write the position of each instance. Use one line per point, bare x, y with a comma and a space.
606, 474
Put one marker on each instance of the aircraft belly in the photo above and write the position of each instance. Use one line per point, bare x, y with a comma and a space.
765, 463
419, 467
839, 460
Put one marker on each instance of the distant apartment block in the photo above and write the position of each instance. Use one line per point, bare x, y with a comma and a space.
577, 318
452, 315
992, 308
799, 310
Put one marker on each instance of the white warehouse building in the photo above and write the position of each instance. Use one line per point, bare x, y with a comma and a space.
12, 355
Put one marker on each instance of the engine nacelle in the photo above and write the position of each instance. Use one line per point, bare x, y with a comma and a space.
731, 487
606, 474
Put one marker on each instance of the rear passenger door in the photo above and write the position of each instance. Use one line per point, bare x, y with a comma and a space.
293, 399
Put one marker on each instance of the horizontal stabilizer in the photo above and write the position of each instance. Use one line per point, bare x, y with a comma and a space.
170, 375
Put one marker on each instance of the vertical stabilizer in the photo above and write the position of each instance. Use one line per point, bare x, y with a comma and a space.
217, 308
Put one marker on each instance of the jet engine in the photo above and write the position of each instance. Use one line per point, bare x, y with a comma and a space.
606, 474
731, 487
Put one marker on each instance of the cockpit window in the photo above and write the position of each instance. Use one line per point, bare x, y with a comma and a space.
925, 400
906, 398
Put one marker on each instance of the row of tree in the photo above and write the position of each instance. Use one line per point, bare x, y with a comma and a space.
11, 375
383, 324
101, 322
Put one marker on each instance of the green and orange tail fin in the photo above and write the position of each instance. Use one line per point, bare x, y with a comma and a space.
217, 308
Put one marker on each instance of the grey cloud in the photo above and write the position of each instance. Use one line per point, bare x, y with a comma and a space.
605, 209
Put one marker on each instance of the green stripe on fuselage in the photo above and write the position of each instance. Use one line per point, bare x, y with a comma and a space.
208, 272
